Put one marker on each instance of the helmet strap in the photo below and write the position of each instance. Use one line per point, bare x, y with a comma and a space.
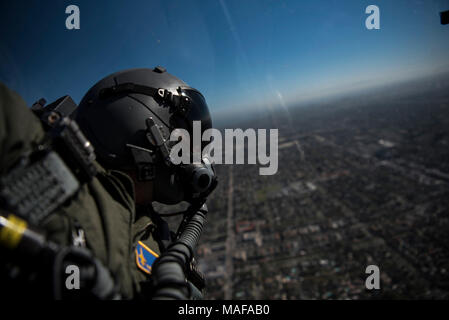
143, 158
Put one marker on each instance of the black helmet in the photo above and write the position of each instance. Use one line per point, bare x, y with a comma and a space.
129, 115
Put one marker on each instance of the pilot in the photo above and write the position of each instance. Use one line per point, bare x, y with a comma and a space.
127, 117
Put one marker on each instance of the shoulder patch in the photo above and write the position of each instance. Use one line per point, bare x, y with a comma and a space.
145, 257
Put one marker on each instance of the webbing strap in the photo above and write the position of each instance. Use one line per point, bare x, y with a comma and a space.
34, 190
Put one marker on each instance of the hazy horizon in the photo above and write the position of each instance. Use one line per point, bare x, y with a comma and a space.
242, 115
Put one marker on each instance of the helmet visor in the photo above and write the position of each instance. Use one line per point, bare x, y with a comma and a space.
198, 111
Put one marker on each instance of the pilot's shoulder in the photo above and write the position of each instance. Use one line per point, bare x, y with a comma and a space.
119, 185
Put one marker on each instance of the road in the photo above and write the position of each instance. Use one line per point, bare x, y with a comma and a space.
230, 239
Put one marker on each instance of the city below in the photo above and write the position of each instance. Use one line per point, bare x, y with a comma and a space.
362, 180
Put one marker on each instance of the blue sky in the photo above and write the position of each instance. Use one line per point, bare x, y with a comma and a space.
239, 53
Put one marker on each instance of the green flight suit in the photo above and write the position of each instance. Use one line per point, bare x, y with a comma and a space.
104, 208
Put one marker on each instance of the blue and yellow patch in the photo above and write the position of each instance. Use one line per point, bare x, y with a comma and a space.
145, 257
